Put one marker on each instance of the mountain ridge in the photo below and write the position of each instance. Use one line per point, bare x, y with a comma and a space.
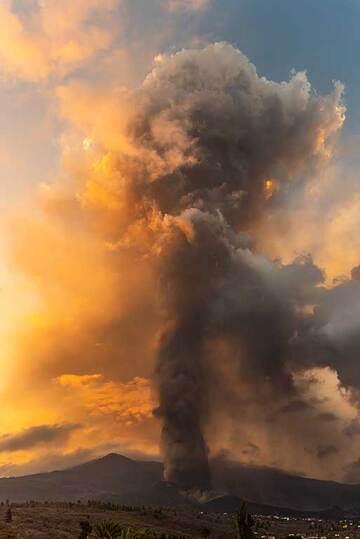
123, 480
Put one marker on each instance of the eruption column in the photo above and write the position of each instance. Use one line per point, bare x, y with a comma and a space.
220, 148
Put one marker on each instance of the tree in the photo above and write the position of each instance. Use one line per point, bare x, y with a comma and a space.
86, 529
244, 523
8, 515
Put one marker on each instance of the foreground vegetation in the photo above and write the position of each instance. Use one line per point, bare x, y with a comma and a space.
96, 520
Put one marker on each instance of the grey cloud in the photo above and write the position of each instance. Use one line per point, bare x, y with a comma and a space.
355, 273
353, 429
331, 336
295, 406
250, 449
34, 436
352, 472
326, 451
327, 416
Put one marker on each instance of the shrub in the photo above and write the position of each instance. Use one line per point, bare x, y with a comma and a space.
113, 530
8, 515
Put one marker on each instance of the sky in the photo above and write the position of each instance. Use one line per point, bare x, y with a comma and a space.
110, 112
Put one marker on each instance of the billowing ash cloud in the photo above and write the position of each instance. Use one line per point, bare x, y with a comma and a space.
221, 133
220, 147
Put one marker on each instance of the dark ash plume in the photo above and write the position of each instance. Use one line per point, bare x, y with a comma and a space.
182, 403
197, 266
222, 146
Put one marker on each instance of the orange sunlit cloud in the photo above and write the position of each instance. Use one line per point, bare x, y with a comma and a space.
63, 38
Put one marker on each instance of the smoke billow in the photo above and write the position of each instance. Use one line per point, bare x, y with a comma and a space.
221, 147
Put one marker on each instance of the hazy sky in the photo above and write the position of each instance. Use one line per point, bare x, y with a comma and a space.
76, 369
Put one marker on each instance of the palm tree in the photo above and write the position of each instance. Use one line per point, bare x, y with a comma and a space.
108, 530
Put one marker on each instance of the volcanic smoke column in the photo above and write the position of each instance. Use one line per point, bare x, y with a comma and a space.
219, 147
193, 263
183, 404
